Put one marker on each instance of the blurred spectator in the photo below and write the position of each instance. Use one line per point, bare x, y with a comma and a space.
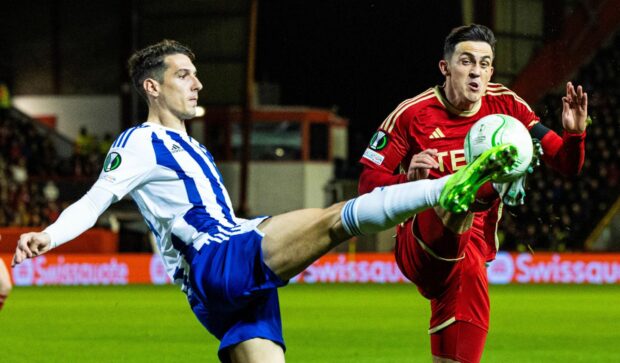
84, 149
5, 99
104, 145
50, 191
19, 171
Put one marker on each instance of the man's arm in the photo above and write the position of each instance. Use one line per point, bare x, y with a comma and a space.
72, 222
567, 153
419, 168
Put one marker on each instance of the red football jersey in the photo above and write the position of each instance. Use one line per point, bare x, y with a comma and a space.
429, 121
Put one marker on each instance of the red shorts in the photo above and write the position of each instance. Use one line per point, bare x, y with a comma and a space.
461, 342
457, 290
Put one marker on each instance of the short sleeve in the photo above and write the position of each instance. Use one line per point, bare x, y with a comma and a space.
389, 145
127, 164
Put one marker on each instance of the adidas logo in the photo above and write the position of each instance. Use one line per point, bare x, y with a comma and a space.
437, 134
176, 148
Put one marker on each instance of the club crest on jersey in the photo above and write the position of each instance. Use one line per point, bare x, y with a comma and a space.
112, 161
379, 140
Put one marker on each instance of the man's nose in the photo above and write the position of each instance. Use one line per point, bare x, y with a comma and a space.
197, 85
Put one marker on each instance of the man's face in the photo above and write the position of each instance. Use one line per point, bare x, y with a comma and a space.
468, 72
179, 89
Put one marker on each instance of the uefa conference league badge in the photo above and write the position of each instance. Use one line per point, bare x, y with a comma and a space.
112, 161
379, 140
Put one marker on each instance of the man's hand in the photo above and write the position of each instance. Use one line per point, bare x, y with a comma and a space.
421, 163
30, 245
574, 109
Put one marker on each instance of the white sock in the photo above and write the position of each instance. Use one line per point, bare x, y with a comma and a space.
388, 206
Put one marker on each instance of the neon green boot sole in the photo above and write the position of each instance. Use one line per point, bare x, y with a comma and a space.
461, 188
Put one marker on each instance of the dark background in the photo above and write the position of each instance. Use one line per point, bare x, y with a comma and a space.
363, 57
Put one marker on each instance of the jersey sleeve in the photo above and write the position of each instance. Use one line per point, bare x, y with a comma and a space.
127, 164
79, 216
386, 150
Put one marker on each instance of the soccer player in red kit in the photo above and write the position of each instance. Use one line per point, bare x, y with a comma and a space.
443, 253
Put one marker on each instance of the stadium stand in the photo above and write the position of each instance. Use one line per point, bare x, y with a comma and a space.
559, 214
35, 164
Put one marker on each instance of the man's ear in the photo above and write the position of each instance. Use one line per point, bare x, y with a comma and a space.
151, 87
443, 67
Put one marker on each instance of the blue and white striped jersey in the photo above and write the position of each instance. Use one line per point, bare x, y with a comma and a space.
177, 187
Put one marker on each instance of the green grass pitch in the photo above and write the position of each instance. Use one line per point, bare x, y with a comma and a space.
322, 323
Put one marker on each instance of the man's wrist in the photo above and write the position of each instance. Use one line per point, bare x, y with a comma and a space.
52, 243
574, 134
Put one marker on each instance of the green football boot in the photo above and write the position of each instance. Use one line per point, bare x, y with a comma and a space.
461, 188
513, 193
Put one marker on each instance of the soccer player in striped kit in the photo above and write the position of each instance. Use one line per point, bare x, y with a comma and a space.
230, 268
443, 253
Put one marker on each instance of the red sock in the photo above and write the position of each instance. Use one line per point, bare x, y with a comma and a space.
2, 299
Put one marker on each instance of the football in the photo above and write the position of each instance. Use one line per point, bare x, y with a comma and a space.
497, 129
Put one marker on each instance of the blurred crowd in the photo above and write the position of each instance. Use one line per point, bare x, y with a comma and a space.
26, 153
560, 212
32, 174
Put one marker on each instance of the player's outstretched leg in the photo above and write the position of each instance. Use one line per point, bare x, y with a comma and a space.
460, 190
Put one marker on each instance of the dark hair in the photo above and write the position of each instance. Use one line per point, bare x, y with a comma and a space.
473, 32
149, 62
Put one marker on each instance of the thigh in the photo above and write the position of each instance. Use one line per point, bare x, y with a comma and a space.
461, 342
259, 321
256, 350
231, 274
294, 240
430, 274
465, 296
444, 233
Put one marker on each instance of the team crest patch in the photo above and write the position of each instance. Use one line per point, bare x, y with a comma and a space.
379, 140
112, 161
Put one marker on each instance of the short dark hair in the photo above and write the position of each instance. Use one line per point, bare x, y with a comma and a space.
149, 62
473, 32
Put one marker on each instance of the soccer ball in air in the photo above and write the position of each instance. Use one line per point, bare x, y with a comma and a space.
497, 129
